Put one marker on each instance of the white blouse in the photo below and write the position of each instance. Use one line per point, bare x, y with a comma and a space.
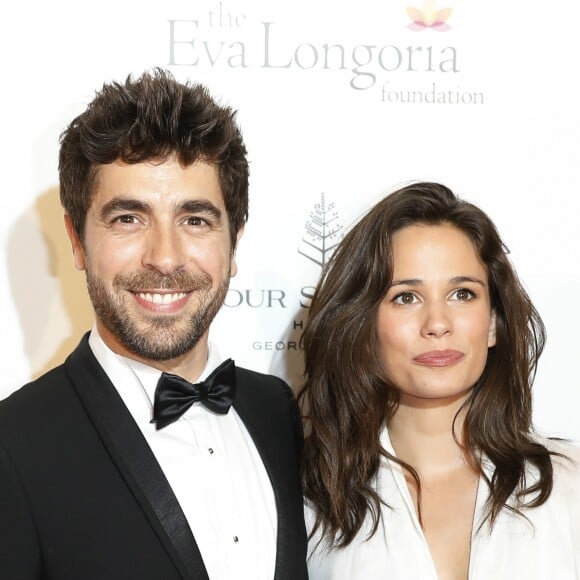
546, 546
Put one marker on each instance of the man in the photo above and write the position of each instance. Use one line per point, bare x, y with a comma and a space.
127, 461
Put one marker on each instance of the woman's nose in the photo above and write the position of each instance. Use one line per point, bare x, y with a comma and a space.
437, 321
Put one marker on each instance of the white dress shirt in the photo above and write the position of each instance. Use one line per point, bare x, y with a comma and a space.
213, 467
547, 547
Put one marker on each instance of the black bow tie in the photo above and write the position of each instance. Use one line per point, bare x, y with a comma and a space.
174, 395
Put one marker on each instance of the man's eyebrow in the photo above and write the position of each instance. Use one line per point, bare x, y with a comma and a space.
118, 204
201, 206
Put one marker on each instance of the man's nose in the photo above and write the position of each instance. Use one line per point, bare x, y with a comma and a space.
163, 251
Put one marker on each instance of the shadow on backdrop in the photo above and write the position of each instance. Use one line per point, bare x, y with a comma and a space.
49, 293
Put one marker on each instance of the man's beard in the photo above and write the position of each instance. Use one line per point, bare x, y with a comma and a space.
157, 337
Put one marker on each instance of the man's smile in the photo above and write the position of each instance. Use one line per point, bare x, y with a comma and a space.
169, 302
161, 297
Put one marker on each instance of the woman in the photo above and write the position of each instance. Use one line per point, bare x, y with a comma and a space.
421, 462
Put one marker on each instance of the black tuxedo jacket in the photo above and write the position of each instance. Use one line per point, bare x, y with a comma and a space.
83, 498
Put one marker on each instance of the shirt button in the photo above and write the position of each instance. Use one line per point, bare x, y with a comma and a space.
210, 451
236, 539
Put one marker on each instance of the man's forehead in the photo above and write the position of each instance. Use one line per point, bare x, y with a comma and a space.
157, 182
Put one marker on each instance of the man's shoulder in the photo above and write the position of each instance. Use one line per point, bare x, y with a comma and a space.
47, 387
36, 390
265, 384
256, 377
267, 392
35, 402
269, 401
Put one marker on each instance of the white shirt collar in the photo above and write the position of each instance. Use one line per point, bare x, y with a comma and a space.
136, 380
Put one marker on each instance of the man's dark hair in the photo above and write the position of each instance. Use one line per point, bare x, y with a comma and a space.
152, 118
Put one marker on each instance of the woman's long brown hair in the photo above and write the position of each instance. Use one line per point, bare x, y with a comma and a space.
347, 400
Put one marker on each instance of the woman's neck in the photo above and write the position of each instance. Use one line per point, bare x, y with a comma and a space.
427, 435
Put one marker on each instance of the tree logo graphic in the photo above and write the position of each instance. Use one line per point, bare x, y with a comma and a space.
321, 233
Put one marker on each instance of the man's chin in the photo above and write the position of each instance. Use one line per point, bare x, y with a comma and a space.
156, 336
160, 351
159, 340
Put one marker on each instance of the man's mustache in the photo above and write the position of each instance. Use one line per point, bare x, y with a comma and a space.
179, 281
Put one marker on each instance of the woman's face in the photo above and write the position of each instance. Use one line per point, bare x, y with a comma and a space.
435, 323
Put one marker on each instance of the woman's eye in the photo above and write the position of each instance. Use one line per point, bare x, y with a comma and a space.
463, 294
404, 298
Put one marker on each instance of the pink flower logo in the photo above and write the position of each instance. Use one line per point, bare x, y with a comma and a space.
429, 16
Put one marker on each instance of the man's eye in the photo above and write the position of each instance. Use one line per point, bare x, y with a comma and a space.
195, 221
126, 219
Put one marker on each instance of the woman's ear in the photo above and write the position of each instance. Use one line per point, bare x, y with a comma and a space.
492, 329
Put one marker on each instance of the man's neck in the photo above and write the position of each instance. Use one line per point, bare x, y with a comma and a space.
189, 365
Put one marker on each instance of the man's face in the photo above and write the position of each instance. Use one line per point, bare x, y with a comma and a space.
157, 255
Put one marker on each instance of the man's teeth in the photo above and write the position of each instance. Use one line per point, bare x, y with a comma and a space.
161, 298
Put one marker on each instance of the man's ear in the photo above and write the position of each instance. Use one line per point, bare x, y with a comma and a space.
492, 330
233, 265
76, 244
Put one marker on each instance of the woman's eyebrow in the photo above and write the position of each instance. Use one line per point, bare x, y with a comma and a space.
407, 282
454, 280
462, 279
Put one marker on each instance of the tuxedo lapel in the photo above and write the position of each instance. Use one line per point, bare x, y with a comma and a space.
263, 416
134, 460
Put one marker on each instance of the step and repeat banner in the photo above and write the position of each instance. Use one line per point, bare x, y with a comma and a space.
339, 105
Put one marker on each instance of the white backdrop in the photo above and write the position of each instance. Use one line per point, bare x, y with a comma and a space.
339, 105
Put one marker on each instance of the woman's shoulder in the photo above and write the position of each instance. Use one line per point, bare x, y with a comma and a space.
561, 448
565, 461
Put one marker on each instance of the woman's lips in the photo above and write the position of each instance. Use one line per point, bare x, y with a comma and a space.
438, 358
